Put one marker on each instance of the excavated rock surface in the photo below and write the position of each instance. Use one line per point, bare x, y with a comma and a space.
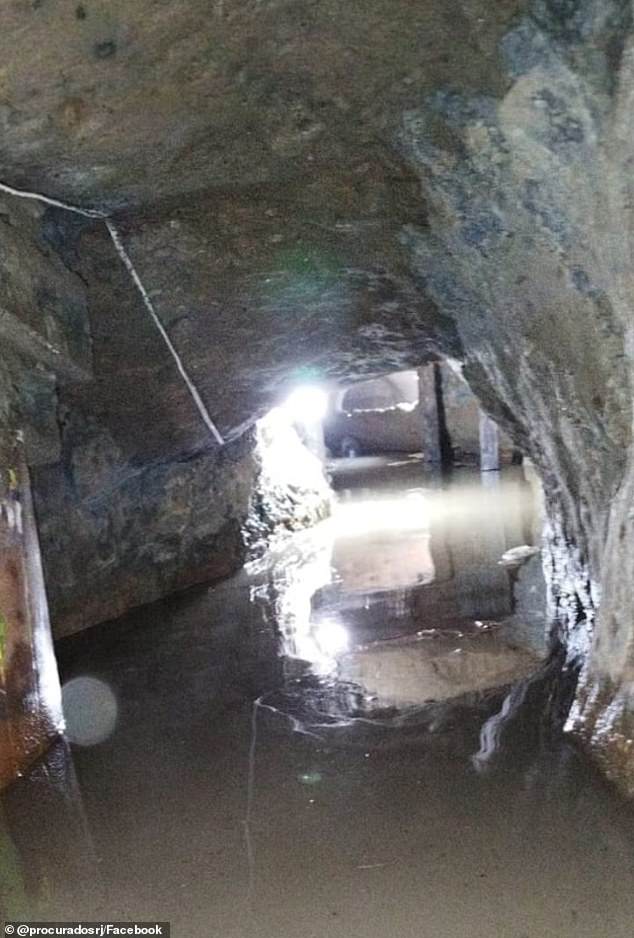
141, 502
269, 286
526, 248
136, 100
311, 188
43, 326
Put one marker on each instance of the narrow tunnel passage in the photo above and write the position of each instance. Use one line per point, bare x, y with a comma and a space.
317, 466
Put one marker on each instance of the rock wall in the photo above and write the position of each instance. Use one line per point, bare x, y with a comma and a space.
461, 410
603, 713
142, 502
44, 334
115, 537
461, 415
528, 251
43, 341
291, 490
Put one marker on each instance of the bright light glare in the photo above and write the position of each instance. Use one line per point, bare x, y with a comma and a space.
306, 404
331, 637
403, 514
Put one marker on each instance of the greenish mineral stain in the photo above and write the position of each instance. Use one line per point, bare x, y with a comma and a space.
307, 374
301, 275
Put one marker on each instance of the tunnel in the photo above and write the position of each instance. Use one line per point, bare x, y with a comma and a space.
316, 468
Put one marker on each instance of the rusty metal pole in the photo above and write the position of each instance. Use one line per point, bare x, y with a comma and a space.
30, 697
429, 416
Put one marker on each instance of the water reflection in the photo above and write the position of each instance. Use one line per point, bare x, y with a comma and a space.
368, 809
383, 543
48, 859
402, 592
419, 673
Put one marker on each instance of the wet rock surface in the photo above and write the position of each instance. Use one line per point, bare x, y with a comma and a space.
530, 180
290, 492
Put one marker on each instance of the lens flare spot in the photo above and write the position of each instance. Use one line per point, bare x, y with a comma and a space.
90, 710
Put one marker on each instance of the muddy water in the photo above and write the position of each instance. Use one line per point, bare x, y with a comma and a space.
345, 740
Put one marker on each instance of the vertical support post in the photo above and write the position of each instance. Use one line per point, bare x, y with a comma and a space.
30, 708
489, 444
429, 416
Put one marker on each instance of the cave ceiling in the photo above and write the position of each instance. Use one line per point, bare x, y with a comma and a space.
247, 150
118, 103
